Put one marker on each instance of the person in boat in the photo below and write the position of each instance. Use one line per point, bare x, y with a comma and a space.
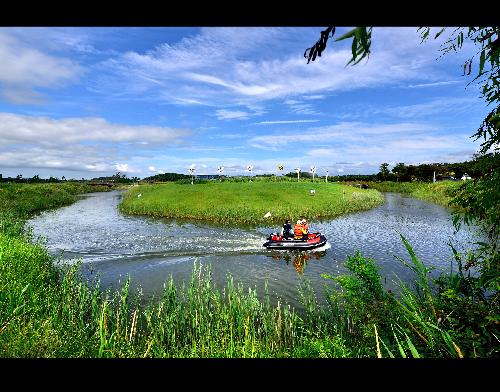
299, 231
286, 230
306, 226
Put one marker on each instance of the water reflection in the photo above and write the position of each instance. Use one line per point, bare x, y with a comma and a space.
299, 259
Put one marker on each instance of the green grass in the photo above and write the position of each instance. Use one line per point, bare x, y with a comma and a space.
248, 202
438, 192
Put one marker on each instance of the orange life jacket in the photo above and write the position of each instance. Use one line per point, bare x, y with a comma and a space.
298, 231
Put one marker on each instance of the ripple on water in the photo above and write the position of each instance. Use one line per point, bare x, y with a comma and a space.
149, 249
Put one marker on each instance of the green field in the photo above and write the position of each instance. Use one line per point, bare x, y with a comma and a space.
248, 202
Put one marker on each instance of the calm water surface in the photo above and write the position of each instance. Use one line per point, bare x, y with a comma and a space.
149, 250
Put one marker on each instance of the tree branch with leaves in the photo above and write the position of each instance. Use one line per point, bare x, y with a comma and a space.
480, 199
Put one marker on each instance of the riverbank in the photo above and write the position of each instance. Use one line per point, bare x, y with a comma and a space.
248, 202
437, 192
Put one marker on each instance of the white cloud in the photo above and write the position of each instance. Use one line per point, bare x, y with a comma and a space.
433, 84
151, 168
322, 153
344, 132
285, 122
229, 115
436, 106
88, 159
77, 144
24, 69
219, 65
15, 128
299, 107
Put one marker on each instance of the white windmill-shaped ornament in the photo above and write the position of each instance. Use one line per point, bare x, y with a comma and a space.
191, 171
326, 177
297, 170
313, 171
250, 168
220, 169
280, 168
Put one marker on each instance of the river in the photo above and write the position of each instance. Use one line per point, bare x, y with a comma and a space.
114, 246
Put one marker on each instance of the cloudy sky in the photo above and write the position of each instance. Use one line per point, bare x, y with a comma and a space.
88, 102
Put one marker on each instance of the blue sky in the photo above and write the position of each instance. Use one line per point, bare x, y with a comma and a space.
88, 102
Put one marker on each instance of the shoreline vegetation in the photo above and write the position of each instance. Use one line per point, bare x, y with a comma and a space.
437, 192
47, 310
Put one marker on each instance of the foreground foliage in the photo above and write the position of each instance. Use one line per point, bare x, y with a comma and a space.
479, 200
48, 310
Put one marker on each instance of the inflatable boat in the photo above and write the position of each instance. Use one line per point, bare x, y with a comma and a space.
276, 241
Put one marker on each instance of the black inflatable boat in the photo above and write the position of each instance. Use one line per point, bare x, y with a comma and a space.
275, 241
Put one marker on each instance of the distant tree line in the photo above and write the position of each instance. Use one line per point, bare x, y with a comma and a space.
166, 177
115, 178
35, 179
425, 172
478, 166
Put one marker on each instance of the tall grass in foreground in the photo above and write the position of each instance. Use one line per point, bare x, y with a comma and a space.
47, 312
247, 202
51, 311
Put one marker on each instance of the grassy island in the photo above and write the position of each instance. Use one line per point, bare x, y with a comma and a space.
248, 202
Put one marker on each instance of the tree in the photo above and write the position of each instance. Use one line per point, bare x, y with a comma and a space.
400, 170
384, 170
480, 199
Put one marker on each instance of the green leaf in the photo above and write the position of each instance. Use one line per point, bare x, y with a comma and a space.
413, 350
387, 349
349, 34
440, 32
401, 351
425, 35
481, 61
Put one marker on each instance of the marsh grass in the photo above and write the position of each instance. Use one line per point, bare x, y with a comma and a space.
438, 192
247, 203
